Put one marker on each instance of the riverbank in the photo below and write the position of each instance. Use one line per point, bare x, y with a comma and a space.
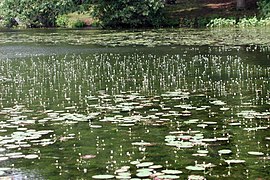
182, 13
193, 13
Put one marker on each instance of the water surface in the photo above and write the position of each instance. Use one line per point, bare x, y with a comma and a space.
72, 111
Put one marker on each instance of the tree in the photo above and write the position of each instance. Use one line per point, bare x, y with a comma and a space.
33, 13
128, 13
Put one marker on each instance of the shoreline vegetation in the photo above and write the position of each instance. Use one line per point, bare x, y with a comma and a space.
120, 14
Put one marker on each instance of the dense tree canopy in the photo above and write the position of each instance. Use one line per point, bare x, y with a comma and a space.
107, 13
129, 13
33, 13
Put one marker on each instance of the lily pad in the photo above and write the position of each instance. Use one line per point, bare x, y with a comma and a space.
202, 151
196, 177
167, 176
31, 156
168, 171
105, 176
225, 151
235, 161
2, 173
155, 166
144, 164
256, 153
3, 158
195, 168
144, 174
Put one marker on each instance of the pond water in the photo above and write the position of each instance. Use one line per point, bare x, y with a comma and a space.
127, 111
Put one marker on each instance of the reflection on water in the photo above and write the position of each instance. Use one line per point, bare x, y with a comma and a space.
203, 111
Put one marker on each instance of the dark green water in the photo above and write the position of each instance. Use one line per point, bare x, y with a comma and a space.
75, 111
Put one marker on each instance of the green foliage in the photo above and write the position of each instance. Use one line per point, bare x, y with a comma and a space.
222, 22
33, 13
264, 7
76, 23
62, 21
242, 22
128, 13
196, 22
73, 20
247, 22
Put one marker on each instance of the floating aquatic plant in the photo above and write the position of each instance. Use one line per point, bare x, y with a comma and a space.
105, 176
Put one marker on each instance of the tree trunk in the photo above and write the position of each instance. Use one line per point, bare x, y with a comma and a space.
240, 4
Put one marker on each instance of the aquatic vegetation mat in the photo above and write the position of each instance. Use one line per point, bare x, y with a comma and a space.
151, 38
128, 115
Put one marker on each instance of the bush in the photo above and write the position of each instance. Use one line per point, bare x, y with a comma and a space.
264, 7
73, 20
129, 13
62, 21
76, 23
242, 22
33, 13
222, 22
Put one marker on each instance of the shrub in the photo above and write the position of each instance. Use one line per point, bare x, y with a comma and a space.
129, 13
264, 7
73, 20
76, 23
33, 13
242, 22
246, 22
62, 21
222, 22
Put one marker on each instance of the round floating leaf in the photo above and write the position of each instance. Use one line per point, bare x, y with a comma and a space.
123, 177
144, 164
126, 174
222, 138
256, 153
88, 156
224, 108
123, 169
31, 156
144, 170
2, 173
199, 154
225, 151
135, 162
141, 144
202, 125
196, 177
105, 176
168, 171
144, 174
209, 139
185, 145
3, 158
126, 125
155, 166
195, 168
235, 161
95, 126
235, 124
167, 176
202, 151
5, 169
210, 122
